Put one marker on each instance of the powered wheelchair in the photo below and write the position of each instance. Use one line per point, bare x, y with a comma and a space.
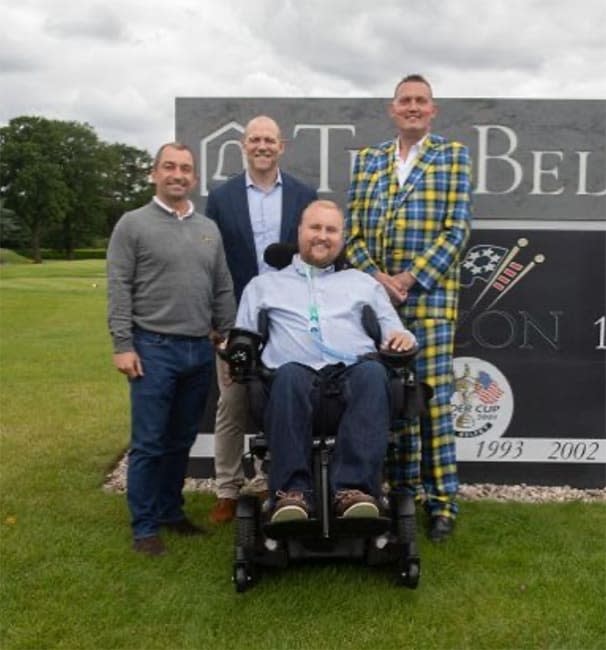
390, 538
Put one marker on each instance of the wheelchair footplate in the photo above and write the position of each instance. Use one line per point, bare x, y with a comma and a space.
360, 526
301, 528
339, 527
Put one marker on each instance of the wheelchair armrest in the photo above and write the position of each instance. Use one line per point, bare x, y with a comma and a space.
397, 359
410, 398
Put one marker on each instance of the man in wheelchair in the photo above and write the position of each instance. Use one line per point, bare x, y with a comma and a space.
316, 339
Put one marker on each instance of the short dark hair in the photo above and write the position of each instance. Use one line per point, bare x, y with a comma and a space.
419, 78
179, 146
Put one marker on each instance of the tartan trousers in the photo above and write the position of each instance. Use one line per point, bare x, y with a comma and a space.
424, 456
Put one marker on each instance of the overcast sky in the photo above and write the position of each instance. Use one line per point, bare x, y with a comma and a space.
120, 65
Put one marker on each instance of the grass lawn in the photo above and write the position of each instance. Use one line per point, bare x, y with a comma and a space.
514, 576
8, 256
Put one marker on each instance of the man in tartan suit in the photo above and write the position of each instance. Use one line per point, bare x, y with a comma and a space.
409, 217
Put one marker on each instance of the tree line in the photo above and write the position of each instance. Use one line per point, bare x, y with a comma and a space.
63, 188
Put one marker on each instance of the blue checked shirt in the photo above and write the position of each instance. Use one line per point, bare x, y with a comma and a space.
339, 297
265, 209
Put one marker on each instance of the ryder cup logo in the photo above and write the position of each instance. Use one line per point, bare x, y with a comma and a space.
482, 401
493, 271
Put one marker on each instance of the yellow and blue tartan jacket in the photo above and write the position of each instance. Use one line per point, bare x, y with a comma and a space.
421, 227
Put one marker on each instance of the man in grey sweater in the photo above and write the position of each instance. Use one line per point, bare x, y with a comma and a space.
168, 286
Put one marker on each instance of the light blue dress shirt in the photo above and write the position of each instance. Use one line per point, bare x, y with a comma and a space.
290, 296
265, 210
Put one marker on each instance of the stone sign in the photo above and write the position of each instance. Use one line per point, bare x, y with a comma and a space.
530, 358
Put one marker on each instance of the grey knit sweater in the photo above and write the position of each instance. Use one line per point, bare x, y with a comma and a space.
167, 276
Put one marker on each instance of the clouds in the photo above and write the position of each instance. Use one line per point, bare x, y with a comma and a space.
14, 60
120, 66
87, 23
479, 40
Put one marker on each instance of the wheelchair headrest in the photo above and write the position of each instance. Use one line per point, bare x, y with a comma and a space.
279, 255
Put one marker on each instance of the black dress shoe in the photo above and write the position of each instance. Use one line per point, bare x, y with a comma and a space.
440, 528
184, 527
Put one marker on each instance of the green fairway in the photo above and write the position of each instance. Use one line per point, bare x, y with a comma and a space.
10, 257
514, 576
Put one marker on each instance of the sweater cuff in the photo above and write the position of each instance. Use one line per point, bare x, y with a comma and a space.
123, 345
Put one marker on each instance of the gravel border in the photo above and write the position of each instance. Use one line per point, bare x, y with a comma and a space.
116, 482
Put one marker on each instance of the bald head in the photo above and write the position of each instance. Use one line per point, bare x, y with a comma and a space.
263, 147
262, 122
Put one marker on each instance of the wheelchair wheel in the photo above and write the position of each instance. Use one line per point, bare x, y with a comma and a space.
244, 574
407, 529
409, 565
242, 578
246, 534
409, 572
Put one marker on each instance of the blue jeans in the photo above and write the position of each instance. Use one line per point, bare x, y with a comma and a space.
362, 435
166, 407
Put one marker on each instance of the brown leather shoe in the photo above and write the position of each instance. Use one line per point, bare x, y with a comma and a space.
354, 503
152, 545
290, 506
223, 511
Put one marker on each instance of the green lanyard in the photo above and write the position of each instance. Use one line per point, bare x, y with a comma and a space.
314, 323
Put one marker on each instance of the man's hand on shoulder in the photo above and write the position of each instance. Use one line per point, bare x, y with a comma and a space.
128, 363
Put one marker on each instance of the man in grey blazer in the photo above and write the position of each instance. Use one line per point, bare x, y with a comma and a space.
258, 207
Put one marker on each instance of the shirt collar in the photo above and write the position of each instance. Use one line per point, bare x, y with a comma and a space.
251, 183
166, 208
414, 150
300, 266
